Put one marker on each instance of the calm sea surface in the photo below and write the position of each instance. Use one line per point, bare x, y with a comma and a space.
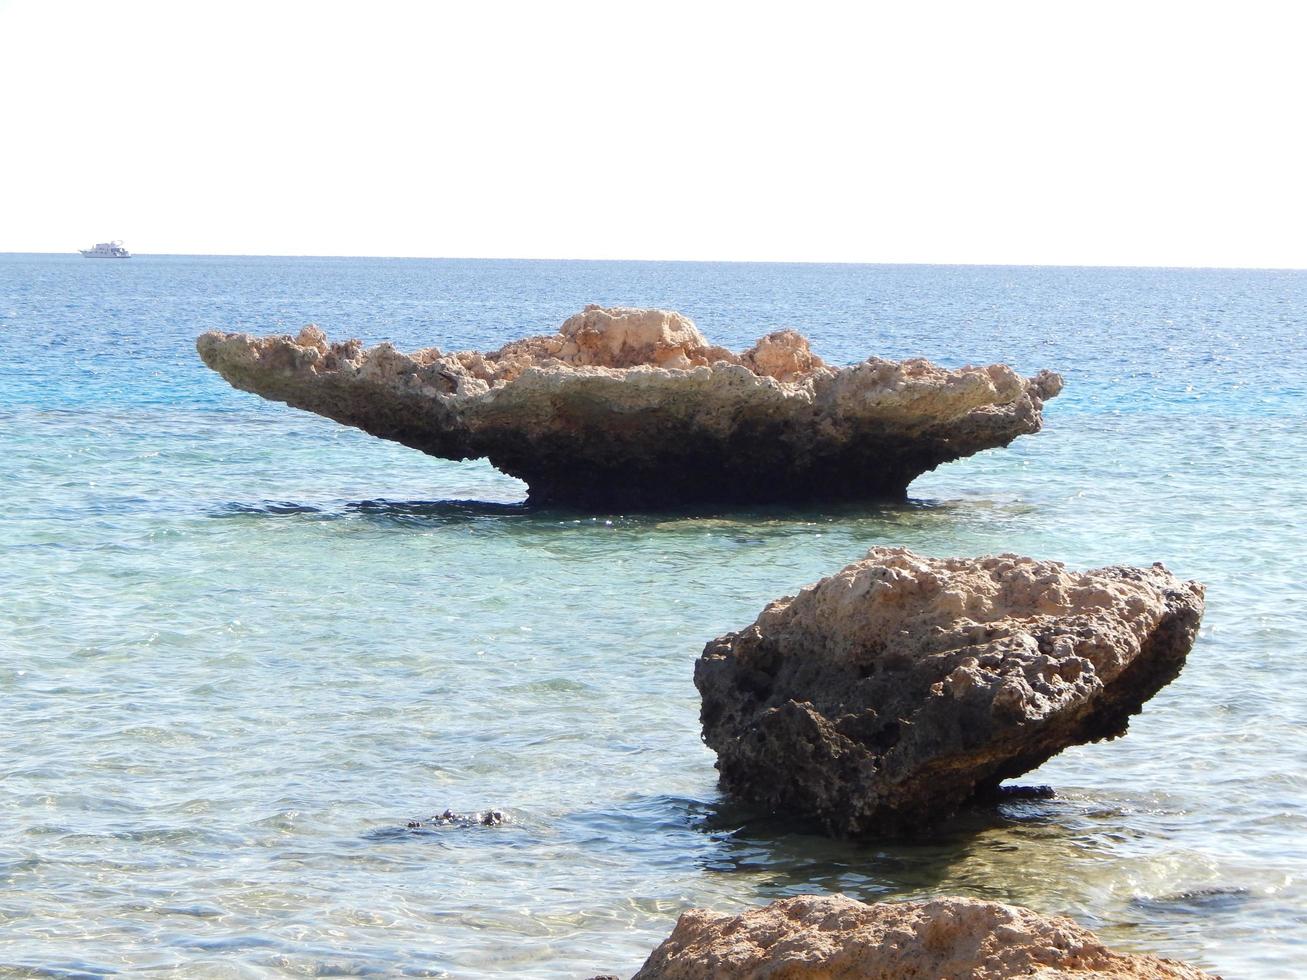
241, 647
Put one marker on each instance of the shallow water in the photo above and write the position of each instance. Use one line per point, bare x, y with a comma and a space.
241, 647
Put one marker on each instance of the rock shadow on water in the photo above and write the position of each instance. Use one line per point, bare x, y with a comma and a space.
797, 854
979, 852
268, 508
379, 511
743, 525
727, 835
436, 513
721, 837
787, 515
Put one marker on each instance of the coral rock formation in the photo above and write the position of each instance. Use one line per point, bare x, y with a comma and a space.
886, 695
836, 938
634, 408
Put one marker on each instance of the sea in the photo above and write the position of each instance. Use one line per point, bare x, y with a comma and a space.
243, 648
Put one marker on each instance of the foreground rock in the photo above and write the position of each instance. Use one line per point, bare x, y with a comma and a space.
885, 696
635, 408
836, 938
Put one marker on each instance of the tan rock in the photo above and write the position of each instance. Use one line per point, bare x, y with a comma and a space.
783, 355
883, 697
636, 408
837, 938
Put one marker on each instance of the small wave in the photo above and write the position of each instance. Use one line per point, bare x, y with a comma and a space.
1195, 901
395, 511
437, 513
62, 971
552, 685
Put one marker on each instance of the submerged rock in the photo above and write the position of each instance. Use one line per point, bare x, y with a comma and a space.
635, 408
886, 695
481, 818
837, 938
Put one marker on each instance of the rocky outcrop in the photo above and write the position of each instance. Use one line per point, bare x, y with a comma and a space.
836, 938
886, 695
634, 408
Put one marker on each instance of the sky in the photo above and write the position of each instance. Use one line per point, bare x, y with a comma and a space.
1097, 133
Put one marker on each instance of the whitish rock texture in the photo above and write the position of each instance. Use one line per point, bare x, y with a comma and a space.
886, 695
634, 408
836, 938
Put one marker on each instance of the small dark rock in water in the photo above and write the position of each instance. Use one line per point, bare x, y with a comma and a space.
479, 818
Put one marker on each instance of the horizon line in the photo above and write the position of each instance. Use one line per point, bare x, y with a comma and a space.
848, 262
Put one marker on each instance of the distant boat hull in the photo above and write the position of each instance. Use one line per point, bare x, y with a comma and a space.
106, 250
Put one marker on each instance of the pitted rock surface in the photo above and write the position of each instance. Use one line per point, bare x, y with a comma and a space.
837, 938
635, 408
883, 697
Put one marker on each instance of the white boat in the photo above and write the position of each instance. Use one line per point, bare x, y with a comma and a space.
106, 250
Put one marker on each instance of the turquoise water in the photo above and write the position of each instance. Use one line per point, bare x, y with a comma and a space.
241, 647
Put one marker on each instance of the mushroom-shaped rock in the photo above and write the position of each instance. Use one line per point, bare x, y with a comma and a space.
883, 697
635, 408
837, 938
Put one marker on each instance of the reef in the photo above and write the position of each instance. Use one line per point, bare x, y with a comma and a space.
837, 938
882, 698
636, 409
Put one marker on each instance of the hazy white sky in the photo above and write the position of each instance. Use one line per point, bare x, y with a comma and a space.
1096, 132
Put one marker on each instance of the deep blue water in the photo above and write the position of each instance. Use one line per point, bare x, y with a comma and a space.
242, 646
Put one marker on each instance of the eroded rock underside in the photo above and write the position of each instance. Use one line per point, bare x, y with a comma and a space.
885, 696
635, 408
837, 938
